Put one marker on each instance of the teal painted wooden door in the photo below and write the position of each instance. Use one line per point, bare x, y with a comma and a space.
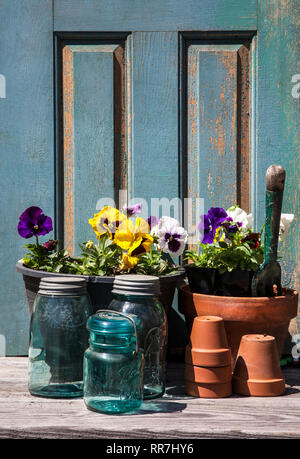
160, 99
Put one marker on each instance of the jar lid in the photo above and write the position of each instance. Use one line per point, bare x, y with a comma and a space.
136, 284
62, 286
113, 322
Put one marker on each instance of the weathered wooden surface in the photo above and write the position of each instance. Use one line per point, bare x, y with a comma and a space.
173, 416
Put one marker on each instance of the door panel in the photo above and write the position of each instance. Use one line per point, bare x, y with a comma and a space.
218, 113
93, 116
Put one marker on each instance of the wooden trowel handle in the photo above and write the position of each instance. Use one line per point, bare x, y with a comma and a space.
275, 178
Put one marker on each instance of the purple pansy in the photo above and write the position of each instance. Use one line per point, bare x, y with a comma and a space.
152, 221
230, 226
34, 223
133, 210
210, 222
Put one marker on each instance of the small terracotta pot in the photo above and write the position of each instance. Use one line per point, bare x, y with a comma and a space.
257, 369
208, 332
208, 390
208, 357
243, 315
208, 375
208, 343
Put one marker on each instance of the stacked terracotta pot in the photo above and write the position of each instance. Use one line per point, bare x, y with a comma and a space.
208, 371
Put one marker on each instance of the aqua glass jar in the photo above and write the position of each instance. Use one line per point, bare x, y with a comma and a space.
138, 294
113, 364
58, 337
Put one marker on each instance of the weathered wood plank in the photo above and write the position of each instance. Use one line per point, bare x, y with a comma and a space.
173, 416
154, 15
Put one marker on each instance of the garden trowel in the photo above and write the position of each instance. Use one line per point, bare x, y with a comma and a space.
269, 273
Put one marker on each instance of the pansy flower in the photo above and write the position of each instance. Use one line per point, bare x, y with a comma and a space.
134, 239
171, 236
33, 222
107, 221
131, 211
210, 222
252, 239
50, 245
238, 215
152, 222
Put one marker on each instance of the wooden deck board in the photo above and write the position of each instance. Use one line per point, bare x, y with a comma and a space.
173, 416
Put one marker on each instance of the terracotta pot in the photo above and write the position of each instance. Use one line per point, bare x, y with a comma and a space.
208, 343
208, 375
208, 390
257, 369
208, 357
208, 332
243, 315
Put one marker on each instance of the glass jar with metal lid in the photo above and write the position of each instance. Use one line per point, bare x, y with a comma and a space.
113, 364
138, 294
58, 337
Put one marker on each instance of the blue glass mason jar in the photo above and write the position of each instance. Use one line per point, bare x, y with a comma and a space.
138, 294
58, 337
113, 364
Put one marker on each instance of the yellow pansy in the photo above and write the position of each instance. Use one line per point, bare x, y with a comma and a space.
128, 262
141, 245
134, 239
125, 235
107, 221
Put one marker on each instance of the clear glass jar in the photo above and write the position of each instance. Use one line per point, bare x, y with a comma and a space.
138, 295
58, 337
113, 364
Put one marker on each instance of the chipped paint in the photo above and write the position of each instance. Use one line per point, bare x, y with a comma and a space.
68, 147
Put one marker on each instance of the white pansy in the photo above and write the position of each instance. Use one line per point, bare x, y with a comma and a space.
285, 223
171, 236
239, 215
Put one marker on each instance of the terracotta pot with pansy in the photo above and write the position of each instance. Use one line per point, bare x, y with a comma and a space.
221, 277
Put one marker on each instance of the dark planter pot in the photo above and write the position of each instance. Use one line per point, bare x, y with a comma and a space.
209, 281
100, 291
99, 287
234, 283
201, 280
